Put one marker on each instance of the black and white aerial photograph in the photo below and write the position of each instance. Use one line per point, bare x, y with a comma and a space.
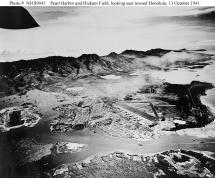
107, 92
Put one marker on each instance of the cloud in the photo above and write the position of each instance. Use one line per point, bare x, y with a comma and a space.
204, 17
205, 8
52, 13
173, 57
117, 88
77, 30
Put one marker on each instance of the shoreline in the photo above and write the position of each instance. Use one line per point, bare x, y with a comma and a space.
208, 104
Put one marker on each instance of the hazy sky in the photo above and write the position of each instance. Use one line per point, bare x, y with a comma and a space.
71, 31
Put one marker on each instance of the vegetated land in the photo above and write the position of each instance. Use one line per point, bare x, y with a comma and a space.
179, 163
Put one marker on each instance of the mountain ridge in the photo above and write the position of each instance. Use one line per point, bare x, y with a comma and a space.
83, 60
22, 75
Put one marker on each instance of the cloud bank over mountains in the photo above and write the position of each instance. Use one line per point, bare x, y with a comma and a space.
72, 31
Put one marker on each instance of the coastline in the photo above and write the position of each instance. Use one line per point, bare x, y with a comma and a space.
204, 101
